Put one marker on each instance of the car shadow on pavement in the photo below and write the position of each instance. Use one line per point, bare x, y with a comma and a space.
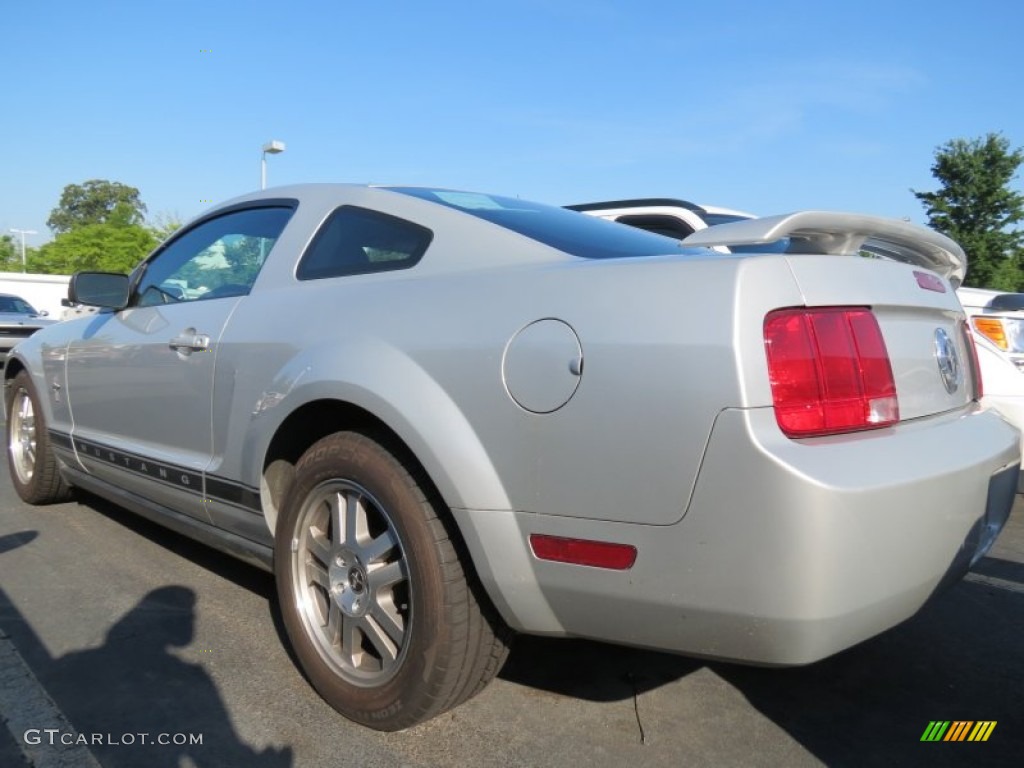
231, 569
237, 572
589, 670
960, 658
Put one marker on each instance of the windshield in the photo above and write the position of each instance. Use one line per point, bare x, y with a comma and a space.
574, 233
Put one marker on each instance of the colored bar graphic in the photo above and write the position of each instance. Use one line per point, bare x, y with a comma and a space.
982, 730
958, 730
935, 731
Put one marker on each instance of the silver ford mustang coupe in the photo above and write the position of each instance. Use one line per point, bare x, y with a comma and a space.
442, 417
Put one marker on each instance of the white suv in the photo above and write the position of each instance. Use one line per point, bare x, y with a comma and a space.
998, 322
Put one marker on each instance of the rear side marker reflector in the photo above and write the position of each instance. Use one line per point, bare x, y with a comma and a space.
930, 282
829, 370
597, 554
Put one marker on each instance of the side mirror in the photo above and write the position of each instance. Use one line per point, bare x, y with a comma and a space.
43, 313
99, 289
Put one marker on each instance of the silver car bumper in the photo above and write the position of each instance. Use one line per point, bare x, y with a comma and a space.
788, 551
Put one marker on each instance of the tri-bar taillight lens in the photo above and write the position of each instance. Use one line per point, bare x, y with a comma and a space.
829, 370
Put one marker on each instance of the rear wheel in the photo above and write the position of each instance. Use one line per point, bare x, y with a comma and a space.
33, 467
383, 618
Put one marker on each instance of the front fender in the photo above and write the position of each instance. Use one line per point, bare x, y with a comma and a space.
44, 359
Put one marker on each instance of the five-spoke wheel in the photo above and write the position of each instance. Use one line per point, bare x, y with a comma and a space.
351, 582
22, 440
34, 471
384, 620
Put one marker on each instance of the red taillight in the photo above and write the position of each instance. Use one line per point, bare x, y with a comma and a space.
829, 371
598, 554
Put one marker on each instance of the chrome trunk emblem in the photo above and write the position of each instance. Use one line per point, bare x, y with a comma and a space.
946, 356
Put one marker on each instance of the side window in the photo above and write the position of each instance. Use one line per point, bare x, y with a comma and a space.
217, 258
355, 241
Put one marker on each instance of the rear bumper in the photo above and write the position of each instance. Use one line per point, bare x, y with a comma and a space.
788, 552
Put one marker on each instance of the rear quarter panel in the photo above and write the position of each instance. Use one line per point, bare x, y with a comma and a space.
664, 341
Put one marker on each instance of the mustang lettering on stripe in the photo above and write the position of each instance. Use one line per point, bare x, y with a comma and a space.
217, 489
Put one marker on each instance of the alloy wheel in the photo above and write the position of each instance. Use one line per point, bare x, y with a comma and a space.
351, 583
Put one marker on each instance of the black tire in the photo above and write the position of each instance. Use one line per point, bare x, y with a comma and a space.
30, 460
384, 619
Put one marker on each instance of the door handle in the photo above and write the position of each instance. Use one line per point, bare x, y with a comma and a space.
190, 341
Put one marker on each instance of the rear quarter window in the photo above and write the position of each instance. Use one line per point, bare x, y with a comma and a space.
569, 231
358, 241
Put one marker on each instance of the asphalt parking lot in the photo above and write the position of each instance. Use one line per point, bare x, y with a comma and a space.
130, 629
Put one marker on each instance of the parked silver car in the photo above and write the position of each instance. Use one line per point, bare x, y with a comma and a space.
18, 320
440, 416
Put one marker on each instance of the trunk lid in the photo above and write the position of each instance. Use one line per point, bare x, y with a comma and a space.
924, 328
923, 325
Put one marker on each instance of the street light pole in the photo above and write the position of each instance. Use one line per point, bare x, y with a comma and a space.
273, 147
23, 232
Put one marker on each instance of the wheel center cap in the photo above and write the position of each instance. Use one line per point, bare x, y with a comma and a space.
357, 580
349, 585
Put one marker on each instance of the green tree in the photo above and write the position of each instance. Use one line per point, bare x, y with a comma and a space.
96, 202
976, 207
163, 225
107, 247
10, 255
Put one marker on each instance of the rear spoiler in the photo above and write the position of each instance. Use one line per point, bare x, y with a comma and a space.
844, 234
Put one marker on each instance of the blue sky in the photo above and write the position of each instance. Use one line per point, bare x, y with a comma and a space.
767, 107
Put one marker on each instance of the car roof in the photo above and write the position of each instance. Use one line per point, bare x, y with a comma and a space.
640, 201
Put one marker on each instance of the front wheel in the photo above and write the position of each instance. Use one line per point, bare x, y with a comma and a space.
384, 620
33, 467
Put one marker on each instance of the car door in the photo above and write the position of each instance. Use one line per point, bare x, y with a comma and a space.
140, 381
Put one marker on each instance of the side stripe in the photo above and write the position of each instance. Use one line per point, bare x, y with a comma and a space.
183, 478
